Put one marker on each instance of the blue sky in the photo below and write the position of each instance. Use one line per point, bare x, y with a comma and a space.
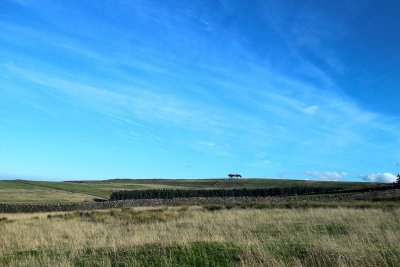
179, 89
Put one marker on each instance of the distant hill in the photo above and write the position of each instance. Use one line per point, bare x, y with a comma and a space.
25, 191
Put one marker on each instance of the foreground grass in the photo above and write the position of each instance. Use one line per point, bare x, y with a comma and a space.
203, 236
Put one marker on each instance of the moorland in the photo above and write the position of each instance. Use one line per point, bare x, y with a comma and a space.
349, 226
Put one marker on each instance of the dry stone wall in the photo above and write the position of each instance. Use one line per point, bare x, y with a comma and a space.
30, 208
17, 208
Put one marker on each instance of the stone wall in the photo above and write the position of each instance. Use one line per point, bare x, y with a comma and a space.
20, 208
17, 208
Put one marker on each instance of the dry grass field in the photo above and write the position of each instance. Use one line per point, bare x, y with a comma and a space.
203, 236
305, 230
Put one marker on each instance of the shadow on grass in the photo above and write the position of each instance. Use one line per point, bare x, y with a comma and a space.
194, 254
287, 253
304, 205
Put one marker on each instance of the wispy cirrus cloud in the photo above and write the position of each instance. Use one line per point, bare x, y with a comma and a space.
194, 75
339, 123
312, 110
126, 99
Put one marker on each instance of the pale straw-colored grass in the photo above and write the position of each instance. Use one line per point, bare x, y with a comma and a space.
347, 237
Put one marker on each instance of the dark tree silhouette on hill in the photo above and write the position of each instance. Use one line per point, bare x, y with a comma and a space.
231, 176
397, 182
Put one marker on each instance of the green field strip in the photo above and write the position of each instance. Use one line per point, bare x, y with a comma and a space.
17, 184
68, 188
214, 185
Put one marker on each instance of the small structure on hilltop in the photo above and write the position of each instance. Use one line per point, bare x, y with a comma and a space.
234, 176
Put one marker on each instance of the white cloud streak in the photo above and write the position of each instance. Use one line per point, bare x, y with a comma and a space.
327, 175
386, 177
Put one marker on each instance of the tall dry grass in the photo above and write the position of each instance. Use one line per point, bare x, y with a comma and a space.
278, 237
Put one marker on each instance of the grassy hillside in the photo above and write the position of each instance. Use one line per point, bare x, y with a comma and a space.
224, 183
22, 191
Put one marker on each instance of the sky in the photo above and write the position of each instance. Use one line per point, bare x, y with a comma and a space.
200, 89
